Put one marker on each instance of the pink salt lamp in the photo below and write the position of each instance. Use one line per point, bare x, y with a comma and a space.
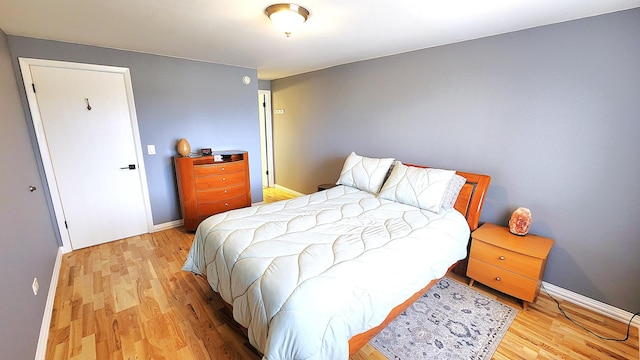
520, 221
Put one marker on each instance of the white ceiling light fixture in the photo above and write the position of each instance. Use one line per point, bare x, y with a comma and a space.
287, 17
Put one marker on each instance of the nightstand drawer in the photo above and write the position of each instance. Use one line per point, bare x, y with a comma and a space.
516, 262
503, 280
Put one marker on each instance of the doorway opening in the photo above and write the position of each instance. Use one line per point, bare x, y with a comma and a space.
266, 138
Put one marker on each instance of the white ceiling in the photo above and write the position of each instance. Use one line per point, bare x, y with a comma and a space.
237, 32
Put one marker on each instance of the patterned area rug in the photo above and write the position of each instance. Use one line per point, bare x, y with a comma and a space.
450, 321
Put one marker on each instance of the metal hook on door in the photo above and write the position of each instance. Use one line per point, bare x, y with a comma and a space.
88, 105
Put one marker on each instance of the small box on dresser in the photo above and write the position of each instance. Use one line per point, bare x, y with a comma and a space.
209, 185
509, 263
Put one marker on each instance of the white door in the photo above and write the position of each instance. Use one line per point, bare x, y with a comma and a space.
266, 138
86, 119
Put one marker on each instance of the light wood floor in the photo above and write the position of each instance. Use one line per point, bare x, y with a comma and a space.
129, 299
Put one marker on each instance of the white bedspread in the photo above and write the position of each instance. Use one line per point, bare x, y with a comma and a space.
306, 274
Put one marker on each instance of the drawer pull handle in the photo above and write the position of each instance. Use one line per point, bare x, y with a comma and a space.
226, 204
498, 279
501, 257
225, 191
222, 169
223, 179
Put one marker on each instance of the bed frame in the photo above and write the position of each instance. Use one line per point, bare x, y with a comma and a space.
469, 204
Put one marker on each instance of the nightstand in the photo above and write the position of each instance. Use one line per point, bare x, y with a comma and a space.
509, 263
325, 186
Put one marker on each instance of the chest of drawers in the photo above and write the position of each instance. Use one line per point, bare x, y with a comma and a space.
508, 263
207, 187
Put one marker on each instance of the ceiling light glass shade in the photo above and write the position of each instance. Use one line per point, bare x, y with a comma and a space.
287, 17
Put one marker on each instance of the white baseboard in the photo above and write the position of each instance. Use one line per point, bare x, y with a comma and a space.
48, 308
168, 225
591, 304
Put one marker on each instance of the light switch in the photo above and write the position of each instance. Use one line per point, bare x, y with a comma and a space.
151, 149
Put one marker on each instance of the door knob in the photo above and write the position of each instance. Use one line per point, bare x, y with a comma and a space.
130, 167
32, 188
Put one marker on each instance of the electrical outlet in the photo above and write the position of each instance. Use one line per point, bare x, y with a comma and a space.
35, 286
278, 111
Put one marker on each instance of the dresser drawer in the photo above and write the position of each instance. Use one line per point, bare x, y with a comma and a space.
218, 169
503, 280
208, 209
224, 180
219, 194
522, 264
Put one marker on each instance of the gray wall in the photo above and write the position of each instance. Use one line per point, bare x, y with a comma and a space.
551, 113
28, 242
264, 85
203, 102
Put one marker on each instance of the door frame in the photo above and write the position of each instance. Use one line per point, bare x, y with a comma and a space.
25, 64
266, 143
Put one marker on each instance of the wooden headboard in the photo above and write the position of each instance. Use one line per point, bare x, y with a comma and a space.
471, 197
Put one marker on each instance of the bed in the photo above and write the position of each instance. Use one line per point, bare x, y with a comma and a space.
317, 276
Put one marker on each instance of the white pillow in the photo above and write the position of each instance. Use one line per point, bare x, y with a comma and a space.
364, 173
453, 190
420, 187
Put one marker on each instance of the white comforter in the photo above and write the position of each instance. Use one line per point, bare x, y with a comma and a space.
306, 274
